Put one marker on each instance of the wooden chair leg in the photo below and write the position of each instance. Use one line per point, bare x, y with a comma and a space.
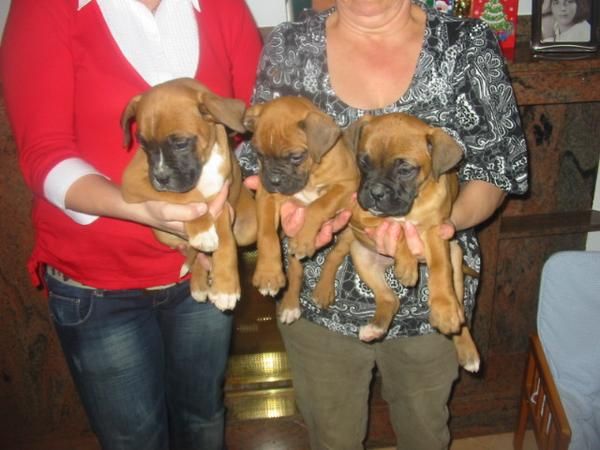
522, 425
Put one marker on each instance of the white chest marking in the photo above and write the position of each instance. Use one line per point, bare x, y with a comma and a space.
307, 196
211, 180
404, 219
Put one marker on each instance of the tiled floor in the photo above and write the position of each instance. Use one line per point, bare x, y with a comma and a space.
493, 442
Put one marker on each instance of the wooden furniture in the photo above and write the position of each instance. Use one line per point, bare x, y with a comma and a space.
540, 402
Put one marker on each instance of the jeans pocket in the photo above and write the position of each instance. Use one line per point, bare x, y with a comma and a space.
70, 310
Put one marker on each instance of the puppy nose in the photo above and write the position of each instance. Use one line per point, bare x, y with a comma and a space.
162, 179
275, 179
378, 191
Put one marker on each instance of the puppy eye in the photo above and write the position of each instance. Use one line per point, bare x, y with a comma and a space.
404, 169
297, 158
143, 142
363, 161
180, 142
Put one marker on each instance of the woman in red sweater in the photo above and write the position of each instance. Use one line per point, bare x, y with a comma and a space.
147, 359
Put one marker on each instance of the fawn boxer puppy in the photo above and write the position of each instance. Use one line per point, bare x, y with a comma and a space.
407, 174
184, 157
301, 158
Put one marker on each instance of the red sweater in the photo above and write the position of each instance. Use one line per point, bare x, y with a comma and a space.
66, 84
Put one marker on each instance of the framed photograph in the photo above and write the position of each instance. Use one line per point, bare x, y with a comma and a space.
564, 26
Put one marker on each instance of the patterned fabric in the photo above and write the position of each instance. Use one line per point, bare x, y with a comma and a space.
461, 85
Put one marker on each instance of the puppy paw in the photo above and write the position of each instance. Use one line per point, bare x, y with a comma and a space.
269, 282
199, 295
469, 362
224, 301
445, 314
185, 269
302, 246
323, 295
289, 315
370, 332
407, 274
207, 241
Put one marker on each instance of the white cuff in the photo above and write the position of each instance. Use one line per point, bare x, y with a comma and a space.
60, 179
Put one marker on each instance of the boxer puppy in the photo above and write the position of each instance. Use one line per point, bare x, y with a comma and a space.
303, 159
407, 174
184, 157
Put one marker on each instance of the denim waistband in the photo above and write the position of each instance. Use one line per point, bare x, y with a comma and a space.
58, 275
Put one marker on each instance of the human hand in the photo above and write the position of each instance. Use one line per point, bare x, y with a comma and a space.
389, 232
293, 215
170, 217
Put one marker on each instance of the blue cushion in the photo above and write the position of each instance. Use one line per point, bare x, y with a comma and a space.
568, 324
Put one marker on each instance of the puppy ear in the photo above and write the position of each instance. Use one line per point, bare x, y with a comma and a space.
321, 134
445, 152
127, 118
251, 117
353, 133
228, 111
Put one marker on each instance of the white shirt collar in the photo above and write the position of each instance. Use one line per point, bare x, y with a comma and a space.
160, 46
195, 4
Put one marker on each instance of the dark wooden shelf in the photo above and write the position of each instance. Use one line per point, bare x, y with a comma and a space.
548, 224
547, 79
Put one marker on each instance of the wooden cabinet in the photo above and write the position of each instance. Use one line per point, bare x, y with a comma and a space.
560, 111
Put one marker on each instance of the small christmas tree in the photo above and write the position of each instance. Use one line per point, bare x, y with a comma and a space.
493, 13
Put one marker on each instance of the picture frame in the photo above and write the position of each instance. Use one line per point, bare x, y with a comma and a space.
564, 26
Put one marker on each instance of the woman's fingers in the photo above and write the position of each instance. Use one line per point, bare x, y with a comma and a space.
292, 218
252, 182
216, 205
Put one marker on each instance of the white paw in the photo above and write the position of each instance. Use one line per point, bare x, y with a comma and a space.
207, 241
185, 269
289, 315
268, 291
370, 332
472, 366
224, 301
199, 296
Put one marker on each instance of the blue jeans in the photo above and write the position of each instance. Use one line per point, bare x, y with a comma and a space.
149, 365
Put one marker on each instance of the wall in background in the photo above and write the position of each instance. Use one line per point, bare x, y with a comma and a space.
266, 12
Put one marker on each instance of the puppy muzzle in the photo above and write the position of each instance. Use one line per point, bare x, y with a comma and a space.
173, 169
283, 180
382, 199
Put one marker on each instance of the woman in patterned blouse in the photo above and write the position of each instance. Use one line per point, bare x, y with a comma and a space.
375, 57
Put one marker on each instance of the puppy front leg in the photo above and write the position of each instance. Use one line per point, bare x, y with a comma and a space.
245, 225
406, 266
445, 313
289, 307
466, 350
268, 275
224, 290
371, 269
202, 233
324, 292
199, 279
317, 213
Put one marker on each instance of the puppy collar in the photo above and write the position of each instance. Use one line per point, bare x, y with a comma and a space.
195, 4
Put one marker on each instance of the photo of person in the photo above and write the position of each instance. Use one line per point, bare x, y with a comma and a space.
566, 21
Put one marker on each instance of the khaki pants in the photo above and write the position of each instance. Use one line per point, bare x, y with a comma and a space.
332, 374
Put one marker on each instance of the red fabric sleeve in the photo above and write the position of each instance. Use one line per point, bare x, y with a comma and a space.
245, 48
39, 31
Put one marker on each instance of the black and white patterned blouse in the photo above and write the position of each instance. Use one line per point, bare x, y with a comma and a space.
460, 84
